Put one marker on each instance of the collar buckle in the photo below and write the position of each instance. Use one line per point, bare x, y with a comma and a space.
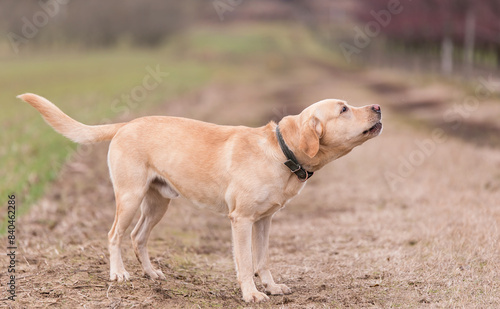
294, 167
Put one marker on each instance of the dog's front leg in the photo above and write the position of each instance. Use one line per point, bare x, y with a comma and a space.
242, 246
260, 246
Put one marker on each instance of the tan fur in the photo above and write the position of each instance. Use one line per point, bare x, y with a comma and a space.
74, 130
236, 170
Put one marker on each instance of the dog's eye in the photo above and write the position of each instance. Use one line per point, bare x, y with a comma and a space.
344, 109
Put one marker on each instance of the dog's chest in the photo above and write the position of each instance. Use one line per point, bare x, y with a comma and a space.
292, 188
278, 198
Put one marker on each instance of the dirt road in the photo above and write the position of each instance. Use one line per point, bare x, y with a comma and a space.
410, 219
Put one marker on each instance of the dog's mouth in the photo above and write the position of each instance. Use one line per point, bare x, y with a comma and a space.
375, 129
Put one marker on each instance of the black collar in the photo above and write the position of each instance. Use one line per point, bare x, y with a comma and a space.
291, 161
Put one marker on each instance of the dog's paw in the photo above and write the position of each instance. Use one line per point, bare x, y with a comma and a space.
255, 297
278, 289
160, 274
155, 274
119, 276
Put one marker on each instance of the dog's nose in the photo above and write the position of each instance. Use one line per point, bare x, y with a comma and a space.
376, 108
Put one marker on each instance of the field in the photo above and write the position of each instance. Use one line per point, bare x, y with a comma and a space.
408, 220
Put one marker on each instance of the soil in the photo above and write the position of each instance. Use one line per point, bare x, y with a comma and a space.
404, 220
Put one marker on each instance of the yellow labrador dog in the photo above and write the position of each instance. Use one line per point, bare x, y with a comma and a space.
248, 173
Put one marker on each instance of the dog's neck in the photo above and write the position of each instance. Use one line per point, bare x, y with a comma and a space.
291, 134
292, 163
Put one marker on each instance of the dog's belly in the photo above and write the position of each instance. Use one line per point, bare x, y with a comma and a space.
208, 195
220, 207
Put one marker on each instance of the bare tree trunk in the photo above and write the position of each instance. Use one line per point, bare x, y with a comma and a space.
470, 31
446, 55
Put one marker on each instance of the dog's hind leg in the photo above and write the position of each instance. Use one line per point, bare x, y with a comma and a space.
153, 208
126, 206
130, 184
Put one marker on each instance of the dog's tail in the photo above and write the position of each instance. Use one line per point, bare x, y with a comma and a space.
67, 126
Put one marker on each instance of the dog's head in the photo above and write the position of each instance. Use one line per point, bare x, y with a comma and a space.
330, 129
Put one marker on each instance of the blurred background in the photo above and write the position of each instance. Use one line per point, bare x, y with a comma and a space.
93, 58
410, 219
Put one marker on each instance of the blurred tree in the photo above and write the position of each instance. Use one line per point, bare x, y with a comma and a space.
94, 22
473, 24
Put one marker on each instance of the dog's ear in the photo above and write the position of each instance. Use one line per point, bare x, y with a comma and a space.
310, 133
